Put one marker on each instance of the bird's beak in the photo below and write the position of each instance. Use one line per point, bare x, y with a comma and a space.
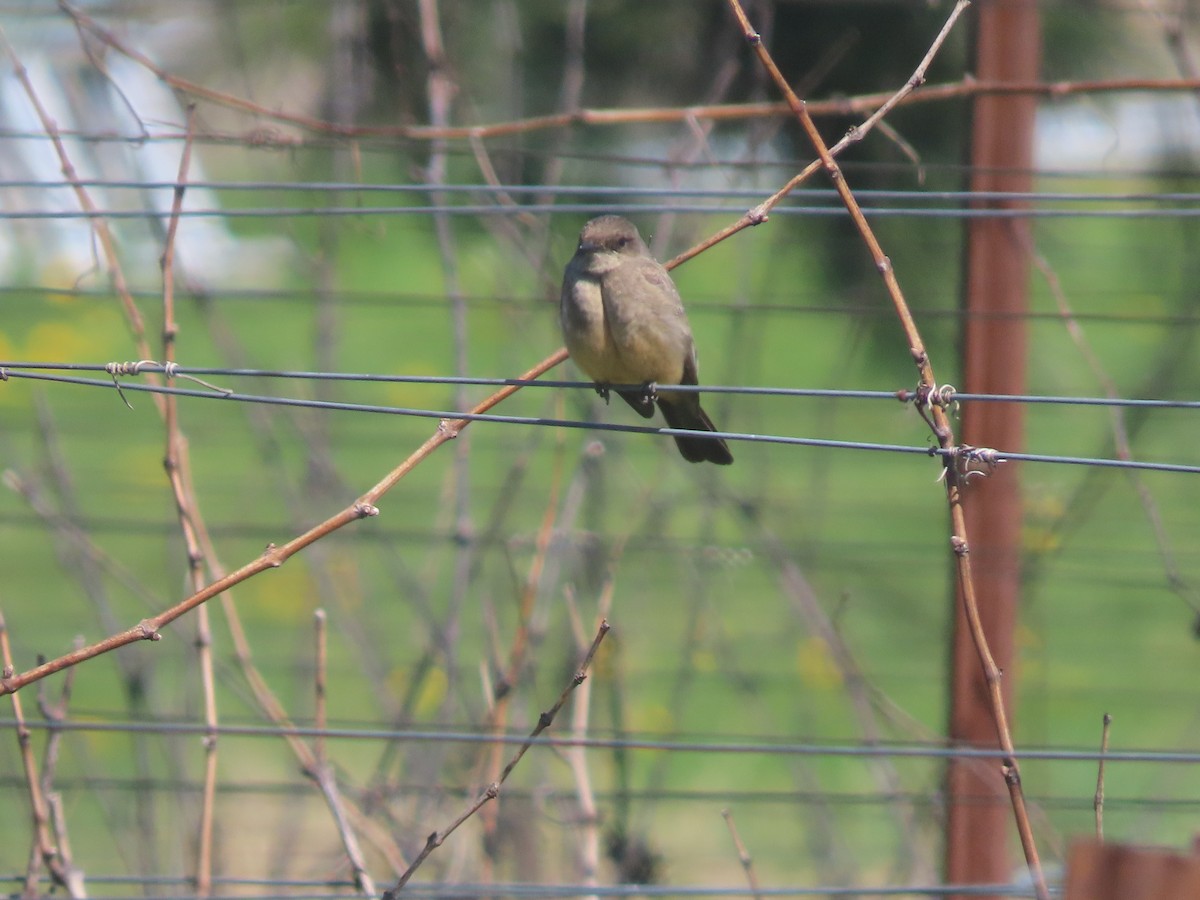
588, 247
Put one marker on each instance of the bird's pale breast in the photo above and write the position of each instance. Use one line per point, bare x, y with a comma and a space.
624, 323
585, 333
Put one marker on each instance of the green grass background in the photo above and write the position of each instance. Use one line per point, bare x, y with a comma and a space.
706, 645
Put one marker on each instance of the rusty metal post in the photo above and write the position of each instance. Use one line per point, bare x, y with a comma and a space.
1007, 48
1123, 872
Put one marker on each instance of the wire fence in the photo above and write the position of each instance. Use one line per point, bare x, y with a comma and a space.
986, 456
228, 691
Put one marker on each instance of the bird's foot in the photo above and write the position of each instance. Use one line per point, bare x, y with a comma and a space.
602, 390
650, 392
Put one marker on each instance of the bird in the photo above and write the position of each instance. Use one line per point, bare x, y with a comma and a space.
623, 322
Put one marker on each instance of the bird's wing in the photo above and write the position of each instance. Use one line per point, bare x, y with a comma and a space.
652, 272
691, 370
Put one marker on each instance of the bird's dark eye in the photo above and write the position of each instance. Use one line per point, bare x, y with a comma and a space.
622, 243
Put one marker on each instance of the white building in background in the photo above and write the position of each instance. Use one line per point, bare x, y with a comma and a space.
103, 118
1118, 133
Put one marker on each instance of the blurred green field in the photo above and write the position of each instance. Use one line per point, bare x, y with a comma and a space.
709, 647
706, 644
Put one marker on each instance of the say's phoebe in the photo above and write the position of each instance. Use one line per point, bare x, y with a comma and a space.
623, 323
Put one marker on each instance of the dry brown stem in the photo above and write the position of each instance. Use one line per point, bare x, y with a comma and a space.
45, 851
589, 815
439, 92
338, 807
343, 810
320, 713
492, 791
576, 755
175, 462
887, 102
743, 855
275, 556
501, 695
346, 815
573, 116
449, 429
1098, 799
944, 434
54, 714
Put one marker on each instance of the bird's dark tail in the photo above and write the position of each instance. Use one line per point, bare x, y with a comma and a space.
694, 418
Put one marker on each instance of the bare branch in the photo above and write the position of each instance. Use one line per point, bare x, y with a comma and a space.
492, 791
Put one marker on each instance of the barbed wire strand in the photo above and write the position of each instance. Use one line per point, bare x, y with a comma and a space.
146, 366
763, 746
990, 456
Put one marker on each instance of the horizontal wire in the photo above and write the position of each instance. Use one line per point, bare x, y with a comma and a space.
259, 140
853, 802
467, 416
459, 890
762, 747
148, 367
749, 437
590, 209
367, 143
704, 307
932, 797
749, 194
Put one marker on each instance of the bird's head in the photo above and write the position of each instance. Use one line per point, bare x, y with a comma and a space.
611, 235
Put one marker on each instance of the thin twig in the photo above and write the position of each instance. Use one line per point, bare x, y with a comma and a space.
599, 117
347, 816
942, 430
743, 855
149, 629
76, 549
1098, 800
320, 713
805, 603
492, 791
185, 503
571, 81
44, 851
327, 782
58, 820
501, 699
54, 714
90, 563
589, 817
439, 92
1118, 420
758, 214
576, 755
275, 556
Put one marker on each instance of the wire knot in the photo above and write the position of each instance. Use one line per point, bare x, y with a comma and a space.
968, 461
927, 396
170, 369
